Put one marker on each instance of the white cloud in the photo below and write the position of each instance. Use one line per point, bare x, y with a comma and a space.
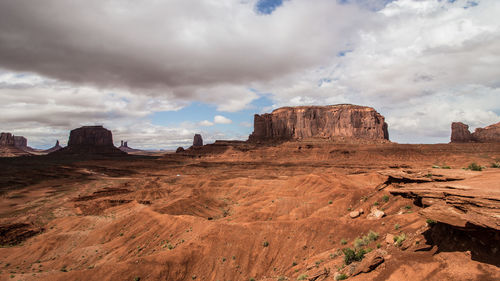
246, 124
206, 123
422, 64
219, 119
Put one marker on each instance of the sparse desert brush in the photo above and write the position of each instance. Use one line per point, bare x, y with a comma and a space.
265, 244
435, 167
430, 222
474, 167
399, 239
495, 165
445, 167
365, 240
385, 198
351, 255
341, 277
396, 226
302, 277
343, 241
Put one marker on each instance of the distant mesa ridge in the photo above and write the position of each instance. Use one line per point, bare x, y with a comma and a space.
90, 140
125, 148
460, 133
301, 122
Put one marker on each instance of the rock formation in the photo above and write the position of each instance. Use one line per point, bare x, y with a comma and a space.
179, 149
90, 140
198, 140
20, 142
344, 120
56, 147
7, 139
460, 133
125, 148
8, 146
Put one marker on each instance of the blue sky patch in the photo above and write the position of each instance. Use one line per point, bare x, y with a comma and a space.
267, 6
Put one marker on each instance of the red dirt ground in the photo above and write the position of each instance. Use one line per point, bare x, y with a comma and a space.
269, 213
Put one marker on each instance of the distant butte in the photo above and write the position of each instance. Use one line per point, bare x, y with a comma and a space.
302, 122
90, 140
460, 133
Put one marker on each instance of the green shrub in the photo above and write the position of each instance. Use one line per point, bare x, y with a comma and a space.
495, 165
330, 202
474, 167
446, 167
372, 235
341, 277
265, 244
375, 204
430, 222
137, 278
408, 207
399, 239
251, 279
385, 198
396, 226
302, 277
343, 241
435, 167
351, 255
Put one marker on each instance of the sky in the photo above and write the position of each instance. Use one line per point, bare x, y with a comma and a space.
157, 72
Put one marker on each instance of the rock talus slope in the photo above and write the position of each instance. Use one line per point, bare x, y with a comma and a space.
345, 120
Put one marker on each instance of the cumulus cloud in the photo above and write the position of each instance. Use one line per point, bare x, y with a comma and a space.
206, 123
422, 64
219, 119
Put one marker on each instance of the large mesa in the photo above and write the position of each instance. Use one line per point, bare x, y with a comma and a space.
460, 133
302, 122
90, 140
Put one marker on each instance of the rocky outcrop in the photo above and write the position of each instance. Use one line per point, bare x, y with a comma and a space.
56, 147
301, 122
198, 140
90, 140
460, 133
7, 139
125, 148
180, 149
20, 142
472, 201
8, 146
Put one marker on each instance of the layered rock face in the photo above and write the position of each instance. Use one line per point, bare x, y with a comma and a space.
7, 139
8, 146
90, 140
460, 133
20, 142
198, 140
344, 120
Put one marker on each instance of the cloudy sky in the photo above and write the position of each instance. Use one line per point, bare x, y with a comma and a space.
156, 72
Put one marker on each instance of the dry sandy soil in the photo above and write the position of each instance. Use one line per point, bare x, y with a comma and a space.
239, 212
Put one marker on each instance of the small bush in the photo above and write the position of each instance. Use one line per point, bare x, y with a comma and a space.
408, 207
385, 198
137, 278
474, 167
265, 244
446, 167
396, 226
281, 278
351, 255
251, 279
330, 202
399, 239
343, 241
372, 235
435, 167
495, 165
430, 222
294, 263
375, 204
302, 277
341, 277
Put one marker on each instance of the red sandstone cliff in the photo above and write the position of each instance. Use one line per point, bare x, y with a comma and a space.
343, 120
460, 133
